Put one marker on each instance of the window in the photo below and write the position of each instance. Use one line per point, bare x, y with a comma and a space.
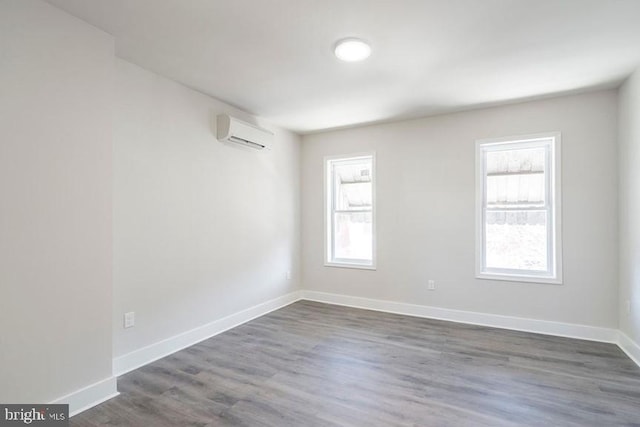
518, 209
350, 211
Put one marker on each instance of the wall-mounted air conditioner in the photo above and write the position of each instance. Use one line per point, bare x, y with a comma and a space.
233, 130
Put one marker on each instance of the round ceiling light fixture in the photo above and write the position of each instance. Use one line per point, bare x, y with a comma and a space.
352, 50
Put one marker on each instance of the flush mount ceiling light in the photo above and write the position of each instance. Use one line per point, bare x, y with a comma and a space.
352, 50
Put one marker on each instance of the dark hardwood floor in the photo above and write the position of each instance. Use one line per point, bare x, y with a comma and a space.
312, 364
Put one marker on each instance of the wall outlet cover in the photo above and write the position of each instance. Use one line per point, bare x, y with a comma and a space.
129, 319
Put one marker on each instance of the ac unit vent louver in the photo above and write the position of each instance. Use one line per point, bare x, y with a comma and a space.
236, 131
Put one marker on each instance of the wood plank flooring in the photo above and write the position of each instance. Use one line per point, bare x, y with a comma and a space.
312, 364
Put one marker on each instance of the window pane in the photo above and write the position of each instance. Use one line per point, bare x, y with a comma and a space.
516, 240
515, 178
353, 236
352, 182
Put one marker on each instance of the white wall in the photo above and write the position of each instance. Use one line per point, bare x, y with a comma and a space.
425, 223
55, 210
629, 137
202, 229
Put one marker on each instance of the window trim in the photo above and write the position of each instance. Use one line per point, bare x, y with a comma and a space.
328, 214
554, 200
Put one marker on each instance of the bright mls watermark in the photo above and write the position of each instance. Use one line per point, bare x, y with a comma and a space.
34, 415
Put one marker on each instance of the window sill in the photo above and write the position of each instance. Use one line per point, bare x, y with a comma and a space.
520, 278
346, 265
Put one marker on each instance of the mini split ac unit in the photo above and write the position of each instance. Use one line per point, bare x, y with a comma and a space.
236, 131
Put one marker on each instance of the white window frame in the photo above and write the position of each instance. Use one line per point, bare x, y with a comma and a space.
329, 211
553, 206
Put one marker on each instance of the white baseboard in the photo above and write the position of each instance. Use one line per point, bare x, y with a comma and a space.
106, 389
90, 396
153, 352
629, 346
591, 333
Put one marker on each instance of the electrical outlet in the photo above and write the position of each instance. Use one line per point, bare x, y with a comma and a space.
288, 275
129, 319
431, 285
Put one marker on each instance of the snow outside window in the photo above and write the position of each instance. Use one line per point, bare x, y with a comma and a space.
518, 209
350, 214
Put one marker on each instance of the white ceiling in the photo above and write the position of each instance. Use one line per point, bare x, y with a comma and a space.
273, 58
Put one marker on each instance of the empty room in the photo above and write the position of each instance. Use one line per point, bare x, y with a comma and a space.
319, 213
